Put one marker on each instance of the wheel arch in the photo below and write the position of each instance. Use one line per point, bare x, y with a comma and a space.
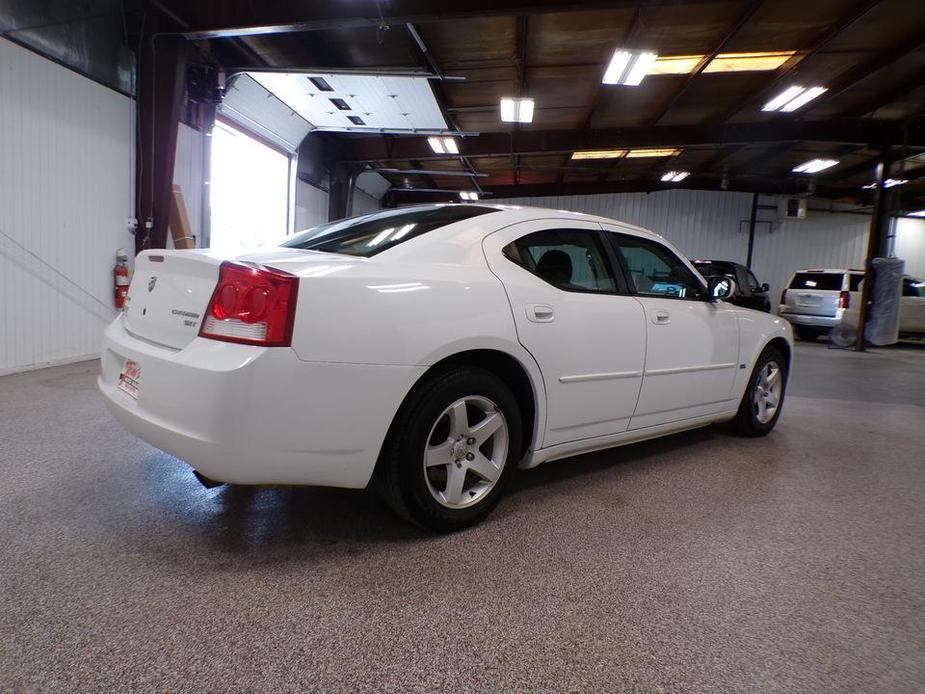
526, 387
783, 347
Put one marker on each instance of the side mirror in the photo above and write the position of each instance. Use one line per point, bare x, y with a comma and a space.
722, 287
765, 288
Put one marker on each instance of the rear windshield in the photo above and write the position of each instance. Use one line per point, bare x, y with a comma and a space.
373, 233
817, 280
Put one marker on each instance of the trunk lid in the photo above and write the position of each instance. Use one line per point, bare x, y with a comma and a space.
169, 293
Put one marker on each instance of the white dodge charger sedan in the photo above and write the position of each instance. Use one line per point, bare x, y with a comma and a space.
432, 351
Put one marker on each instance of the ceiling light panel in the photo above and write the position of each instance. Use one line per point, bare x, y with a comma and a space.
675, 176
888, 183
517, 110
748, 62
793, 98
599, 154
815, 165
663, 152
378, 101
724, 62
443, 145
917, 213
629, 67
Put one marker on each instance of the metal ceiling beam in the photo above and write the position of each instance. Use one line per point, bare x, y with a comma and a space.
504, 144
282, 17
430, 172
904, 88
791, 186
881, 59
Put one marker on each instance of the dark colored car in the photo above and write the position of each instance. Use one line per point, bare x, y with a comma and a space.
749, 294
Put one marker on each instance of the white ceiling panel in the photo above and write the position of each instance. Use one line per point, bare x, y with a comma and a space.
377, 101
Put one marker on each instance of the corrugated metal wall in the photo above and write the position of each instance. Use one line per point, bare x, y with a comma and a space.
65, 194
715, 224
910, 245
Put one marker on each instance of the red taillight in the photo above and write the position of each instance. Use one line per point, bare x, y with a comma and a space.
783, 296
252, 304
844, 300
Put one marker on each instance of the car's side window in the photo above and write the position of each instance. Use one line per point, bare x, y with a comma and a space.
569, 259
854, 282
752, 282
656, 271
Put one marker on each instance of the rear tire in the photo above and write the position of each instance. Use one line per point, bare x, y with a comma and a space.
763, 399
452, 450
806, 334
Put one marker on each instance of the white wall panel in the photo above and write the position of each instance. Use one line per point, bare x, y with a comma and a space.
65, 194
363, 202
910, 245
311, 206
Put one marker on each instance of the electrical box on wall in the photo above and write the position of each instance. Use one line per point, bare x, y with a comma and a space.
793, 208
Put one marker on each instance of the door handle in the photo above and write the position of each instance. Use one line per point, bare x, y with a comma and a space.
661, 317
540, 313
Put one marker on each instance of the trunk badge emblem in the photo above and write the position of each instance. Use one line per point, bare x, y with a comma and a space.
151, 283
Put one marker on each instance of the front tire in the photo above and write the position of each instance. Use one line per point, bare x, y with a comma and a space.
764, 396
452, 450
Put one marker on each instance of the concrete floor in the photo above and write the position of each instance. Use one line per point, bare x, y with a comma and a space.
702, 562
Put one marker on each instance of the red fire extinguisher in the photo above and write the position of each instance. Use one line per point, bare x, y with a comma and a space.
122, 277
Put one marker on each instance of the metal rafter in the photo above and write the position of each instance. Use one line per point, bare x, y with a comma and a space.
281, 17
858, 12
503, 144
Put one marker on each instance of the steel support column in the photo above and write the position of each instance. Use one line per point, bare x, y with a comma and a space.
752, 220
161, 91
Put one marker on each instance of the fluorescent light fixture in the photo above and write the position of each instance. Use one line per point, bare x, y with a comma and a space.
793, 98
517, 110
660, 152
629, 67
804, 98
469, 195
888, 183
443, 145
599, 154
815, 165
917, 213
675, 176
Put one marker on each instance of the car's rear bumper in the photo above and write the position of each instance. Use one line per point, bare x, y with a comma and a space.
255, 415
809, 320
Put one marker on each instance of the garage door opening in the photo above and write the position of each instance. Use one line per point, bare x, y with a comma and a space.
250, 191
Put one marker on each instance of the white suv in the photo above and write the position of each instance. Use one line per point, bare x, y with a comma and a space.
815, 301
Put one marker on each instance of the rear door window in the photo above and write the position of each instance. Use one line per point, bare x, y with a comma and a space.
855, 282
819, 281
570, 259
